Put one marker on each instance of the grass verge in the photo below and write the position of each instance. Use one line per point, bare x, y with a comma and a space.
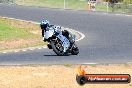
15, 34
69, 4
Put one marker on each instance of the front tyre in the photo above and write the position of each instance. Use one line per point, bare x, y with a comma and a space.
58, 48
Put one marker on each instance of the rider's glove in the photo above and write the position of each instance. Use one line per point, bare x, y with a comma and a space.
44, 39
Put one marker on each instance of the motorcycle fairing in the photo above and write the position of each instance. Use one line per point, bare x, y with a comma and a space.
48, 33
66, 43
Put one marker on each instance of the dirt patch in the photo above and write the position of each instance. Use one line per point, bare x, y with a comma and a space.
20, 43
35, 31
56, 76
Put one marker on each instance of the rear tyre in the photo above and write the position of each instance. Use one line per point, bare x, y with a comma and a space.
75, 50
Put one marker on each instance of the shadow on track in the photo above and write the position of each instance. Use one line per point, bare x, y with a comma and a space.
50, 55
56, 55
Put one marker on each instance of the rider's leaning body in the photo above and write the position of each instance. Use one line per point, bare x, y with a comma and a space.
46, 26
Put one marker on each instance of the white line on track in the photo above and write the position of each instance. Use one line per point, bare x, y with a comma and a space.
82, 35
16, 51
31, 49
89, 63
105, 13
4, 52
128, 15
117, 14
44, 47
24, 50
22, 20
40, 48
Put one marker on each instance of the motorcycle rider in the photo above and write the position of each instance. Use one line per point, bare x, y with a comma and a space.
45, 26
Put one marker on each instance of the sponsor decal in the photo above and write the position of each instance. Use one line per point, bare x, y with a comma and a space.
82, 77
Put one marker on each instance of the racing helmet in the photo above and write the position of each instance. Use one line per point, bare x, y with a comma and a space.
44, 24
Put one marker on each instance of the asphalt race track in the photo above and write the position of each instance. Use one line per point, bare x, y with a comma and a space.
108, 37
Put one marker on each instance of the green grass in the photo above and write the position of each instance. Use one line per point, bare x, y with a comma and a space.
15, 32
70, 4
43, 3
101, 8
8, 32
76, 4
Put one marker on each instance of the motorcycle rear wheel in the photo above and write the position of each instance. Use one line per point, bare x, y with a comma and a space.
75, 50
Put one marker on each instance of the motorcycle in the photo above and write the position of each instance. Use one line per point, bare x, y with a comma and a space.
60, 44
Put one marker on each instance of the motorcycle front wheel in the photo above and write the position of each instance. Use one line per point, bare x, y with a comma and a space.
58, 48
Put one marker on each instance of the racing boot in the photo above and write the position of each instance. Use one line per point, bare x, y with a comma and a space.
49, 46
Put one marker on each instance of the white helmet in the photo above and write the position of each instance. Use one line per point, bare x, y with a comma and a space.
44, 24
